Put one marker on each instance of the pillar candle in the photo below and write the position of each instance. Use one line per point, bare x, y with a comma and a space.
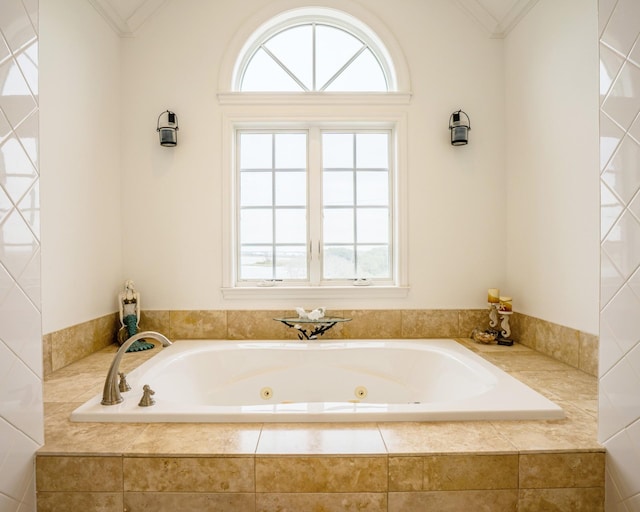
494, 295
505, 304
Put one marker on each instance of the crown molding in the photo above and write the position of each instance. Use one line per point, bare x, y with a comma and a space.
126, 26
497, 28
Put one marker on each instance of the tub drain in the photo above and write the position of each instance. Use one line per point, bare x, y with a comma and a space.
266, 393
361, 392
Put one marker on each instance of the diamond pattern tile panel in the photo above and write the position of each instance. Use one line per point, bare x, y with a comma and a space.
610, 279
605, 8
16, 469
27, 134
16, 25
20, 244
622, 320
16, 168
610, 209
5, 205
622, 173
634, 131
619, 387
21, 421
29, 207
608, 358
622, 28
622, 105
17, 100
610, 64
622, 244
620, 464
610, 136
619, 361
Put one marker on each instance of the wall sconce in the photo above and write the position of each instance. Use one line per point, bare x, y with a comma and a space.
168, 128
459, 128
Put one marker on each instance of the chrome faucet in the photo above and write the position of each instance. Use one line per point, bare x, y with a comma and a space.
111, 394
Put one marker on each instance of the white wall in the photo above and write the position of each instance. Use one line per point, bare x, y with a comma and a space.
551, 60
619, 401
172, 245
81, 124
21, 415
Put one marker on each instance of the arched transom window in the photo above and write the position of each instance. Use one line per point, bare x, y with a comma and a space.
315, 50
314, 57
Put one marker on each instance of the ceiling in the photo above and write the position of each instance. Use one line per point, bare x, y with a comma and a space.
497, 17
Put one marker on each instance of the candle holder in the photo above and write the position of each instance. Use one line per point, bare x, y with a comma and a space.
493, 314
505, 331
497, 315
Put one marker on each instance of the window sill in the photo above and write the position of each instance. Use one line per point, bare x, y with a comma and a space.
317, 292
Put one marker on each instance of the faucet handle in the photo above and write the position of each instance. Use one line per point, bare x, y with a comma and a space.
147, 398
123, 385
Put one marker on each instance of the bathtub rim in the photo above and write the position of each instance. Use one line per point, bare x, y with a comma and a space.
476, 410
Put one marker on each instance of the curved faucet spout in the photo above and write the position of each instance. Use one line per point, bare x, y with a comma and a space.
111, 394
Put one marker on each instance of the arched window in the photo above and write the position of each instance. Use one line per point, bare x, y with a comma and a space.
315, 50
314, 57
315, 144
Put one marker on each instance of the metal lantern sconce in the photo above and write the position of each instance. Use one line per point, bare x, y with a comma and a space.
167, 128
459, 128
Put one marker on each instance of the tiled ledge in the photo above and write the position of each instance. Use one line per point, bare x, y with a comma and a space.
381, 467
570, 346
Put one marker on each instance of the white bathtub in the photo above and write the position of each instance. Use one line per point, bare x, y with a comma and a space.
359, 380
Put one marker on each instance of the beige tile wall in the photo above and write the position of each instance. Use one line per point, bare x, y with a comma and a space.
66, 346
568, 345
448, 482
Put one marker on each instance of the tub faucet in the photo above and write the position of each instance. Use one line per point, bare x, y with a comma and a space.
111, 394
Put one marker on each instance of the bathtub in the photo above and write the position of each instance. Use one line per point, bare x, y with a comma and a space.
357, 380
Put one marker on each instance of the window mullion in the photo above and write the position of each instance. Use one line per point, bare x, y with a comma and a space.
273, 206
314, 211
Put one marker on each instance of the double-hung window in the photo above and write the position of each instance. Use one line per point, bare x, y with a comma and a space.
315, 166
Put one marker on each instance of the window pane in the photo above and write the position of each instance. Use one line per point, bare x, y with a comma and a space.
373, 225
256, 226
334, 48
338, 225
294, 48
372, 151
337, 188
291, 151
337, 151
256, 262
256, 150
373, 188
255, 189
291, 226
363, 74
291, 188
291, 262
338, 262
373, 261
265, 74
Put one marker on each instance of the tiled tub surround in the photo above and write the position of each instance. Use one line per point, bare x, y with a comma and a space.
567, 345
443, 466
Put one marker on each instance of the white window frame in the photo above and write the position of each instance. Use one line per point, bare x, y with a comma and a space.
270, 110
281, 115
315, 207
